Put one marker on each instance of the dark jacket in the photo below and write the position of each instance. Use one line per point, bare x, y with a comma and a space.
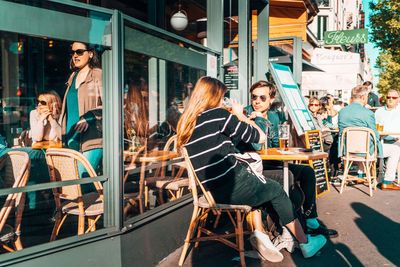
373, 100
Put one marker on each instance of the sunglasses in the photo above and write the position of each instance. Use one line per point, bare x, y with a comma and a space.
78, 52
263, 98
42, 102
392, 97
315, 105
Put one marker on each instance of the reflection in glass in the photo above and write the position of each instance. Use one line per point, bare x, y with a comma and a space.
155, 96
33, 72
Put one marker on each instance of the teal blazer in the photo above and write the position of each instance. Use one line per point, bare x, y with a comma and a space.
355, 115
274, 119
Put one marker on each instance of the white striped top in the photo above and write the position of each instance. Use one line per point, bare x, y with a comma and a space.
211, 146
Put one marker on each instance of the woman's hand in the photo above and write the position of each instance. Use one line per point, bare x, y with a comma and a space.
237, 108
43, 112
81, 126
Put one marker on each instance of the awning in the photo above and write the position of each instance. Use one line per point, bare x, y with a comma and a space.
277, 55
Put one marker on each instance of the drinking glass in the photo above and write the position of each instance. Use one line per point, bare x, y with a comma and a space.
283, 136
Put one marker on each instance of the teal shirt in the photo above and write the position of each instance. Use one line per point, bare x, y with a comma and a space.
355, 115
274, 119
72, 111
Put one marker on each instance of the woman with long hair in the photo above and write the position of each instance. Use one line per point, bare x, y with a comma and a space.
209, 133
43, 119
81, 113
136, 119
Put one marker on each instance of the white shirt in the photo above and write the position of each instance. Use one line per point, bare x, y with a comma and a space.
389, 118
43, 130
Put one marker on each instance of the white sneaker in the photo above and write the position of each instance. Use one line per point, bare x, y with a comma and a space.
264, 246
285, 241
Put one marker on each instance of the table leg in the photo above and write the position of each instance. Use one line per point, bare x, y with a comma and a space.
286, 176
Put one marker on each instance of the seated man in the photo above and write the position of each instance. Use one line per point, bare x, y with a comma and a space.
262, 95
389, 117
355, 115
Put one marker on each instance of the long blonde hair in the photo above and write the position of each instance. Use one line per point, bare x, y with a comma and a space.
206, 95
53, 102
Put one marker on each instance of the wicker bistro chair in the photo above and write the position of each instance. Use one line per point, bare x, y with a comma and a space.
131, 162
355, 147
16, 165
69, 200
175, 184
202, 206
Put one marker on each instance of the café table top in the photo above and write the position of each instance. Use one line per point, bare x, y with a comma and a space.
293, 153
47, 144
154, 156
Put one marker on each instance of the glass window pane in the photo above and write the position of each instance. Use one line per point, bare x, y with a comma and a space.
155, 94
37, 114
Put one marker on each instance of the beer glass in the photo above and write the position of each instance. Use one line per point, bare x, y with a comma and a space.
283, 136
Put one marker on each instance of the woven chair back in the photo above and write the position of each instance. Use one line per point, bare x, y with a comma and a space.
63, 166
194, 181
356, 142
16, 165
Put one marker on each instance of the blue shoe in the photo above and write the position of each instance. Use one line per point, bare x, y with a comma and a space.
314, 244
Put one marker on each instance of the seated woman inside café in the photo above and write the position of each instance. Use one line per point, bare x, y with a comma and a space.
44, 119
262, 95
136, 116
319, 114
208, 132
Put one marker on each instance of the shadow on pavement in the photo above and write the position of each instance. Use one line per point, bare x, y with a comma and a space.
383, 232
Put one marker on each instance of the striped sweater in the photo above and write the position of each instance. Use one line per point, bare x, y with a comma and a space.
211, 147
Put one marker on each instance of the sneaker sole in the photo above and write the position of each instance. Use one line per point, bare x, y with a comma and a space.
266, 253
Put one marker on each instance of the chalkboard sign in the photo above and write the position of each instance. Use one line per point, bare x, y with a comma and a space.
231, 76
313, 141
292, 98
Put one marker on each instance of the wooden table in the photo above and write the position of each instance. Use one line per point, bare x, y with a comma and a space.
145, 159
47, 144
291, 155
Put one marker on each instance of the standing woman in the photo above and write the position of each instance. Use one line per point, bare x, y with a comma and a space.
81, 114
44, 119
209, 132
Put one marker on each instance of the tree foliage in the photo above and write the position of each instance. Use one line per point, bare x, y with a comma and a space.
389, 73
385, 26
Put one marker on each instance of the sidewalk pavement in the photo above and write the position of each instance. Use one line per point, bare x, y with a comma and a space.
369, 235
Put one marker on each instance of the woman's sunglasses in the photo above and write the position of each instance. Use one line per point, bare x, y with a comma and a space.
42, 102
392, 97
262, 97
315, 105
79, 52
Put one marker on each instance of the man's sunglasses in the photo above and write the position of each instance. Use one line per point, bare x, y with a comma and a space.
315, 105
262, 97
42, 102
79, 52
392, 97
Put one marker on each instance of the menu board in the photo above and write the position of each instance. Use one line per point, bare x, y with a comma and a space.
231, 76
292, 98
313, 141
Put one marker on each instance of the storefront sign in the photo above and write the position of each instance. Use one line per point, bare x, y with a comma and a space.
359, 36
231, 77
